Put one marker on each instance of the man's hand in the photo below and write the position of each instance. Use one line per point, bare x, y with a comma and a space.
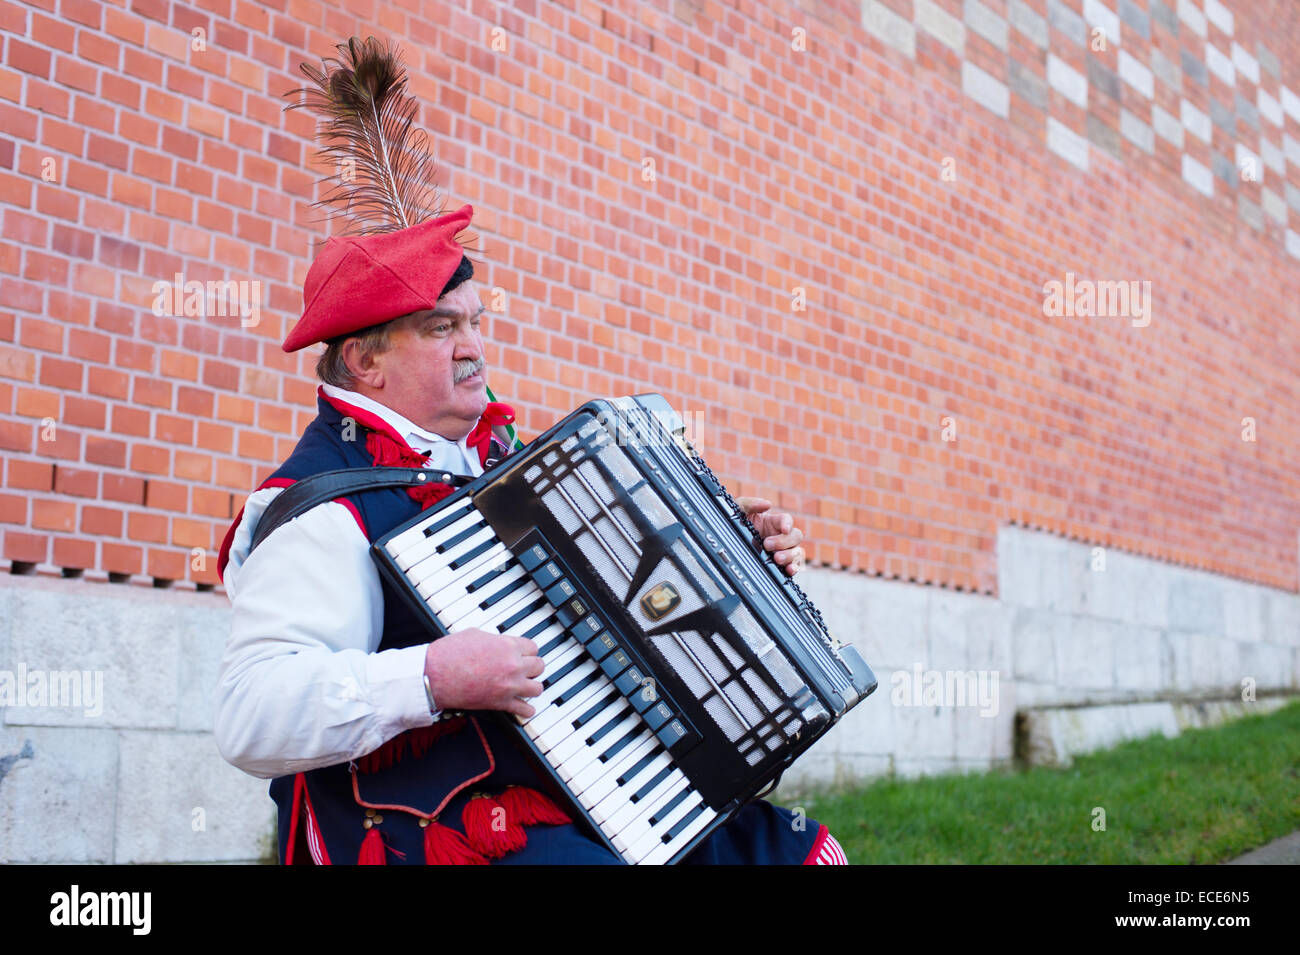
477, 670
777, 529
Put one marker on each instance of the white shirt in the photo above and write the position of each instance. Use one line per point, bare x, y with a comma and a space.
302, 684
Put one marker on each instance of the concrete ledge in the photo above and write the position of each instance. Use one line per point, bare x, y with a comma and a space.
1053, 737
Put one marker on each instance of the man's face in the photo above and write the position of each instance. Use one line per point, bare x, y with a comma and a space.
433, 370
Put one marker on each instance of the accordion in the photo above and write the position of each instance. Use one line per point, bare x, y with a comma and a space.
684, 670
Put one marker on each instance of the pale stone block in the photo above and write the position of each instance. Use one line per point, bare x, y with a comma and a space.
986, 23
1138, 666
985, 89
1269, 107
173, 783
1198, 176
1017, 572
1271, 667
1195, 122
1243, 612
1134, 16
1272, 157
1065, 568
924, 732
1292, 197
1220, 64
1067, 21
940, 24
988, 640
1167, 126
888, 27
1267, 61
1033, 644
201, 642
897, 625
1274, 206
1136, 75
918, 768
1029, 23
1150, 586
1290, 103
58, 797
1054, 736
1085, 654
1291, 148
1109, 584
1097, 14
1250, 212
1246, 64
1136, 131
1283, 619
1197, 666
1195, 602
128, 640
1191, 14
1219, 15
1167, 70
949, 614
1068, 81
1293, 243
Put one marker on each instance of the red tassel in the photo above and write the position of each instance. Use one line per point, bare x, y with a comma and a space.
531, 808
490, 829
443, 846
372, 849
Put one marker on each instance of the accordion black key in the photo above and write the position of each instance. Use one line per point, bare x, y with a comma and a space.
684, 670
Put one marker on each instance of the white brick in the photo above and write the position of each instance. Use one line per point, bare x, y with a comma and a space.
1028, 22
933, 19
1067, 144
888, 27
1167, 126
1248, 163
1272, 157
1085, 653
1219, 15
1137, 660
1197, 176
1195, 122
1136, 131
1246, 64
1220, 64
1068, 81
988, 91
986, 23
1291, 103
1136, 75
1290, 146
1191, 14
1293, 243
1269, 107
1274, 206
1097, 14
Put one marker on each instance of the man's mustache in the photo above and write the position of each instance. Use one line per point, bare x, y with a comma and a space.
466, 368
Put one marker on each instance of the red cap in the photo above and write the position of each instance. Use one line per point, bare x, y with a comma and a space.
361, 281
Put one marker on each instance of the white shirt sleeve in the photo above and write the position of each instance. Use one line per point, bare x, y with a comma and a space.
302, 684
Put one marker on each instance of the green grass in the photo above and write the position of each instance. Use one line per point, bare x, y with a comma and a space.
1203, 797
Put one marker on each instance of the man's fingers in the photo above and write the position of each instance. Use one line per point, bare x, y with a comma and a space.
531, 688
521, 709
784, 541
534, 666
753, 505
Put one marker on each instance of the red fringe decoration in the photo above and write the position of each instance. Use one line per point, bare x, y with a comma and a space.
531, 808
418, 740
443, 846
490, 829
388, 452
372, 849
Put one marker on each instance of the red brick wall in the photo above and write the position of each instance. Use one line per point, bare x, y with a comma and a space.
131, 438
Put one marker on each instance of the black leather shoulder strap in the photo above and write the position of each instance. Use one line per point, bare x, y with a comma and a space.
303, 495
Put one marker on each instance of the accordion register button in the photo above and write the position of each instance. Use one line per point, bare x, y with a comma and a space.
615, 663
560, 593
658, 715
602, 646
569, 613
546, 575
629, 683
586, 629
533, 557
644, 696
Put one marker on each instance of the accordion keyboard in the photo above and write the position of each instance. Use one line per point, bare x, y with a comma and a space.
602, 729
